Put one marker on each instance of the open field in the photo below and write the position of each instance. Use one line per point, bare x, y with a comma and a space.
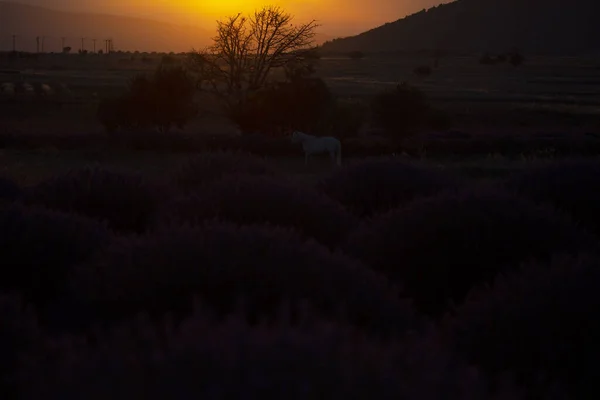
151, 265
545, 94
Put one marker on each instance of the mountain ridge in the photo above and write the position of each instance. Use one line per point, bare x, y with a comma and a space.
533, 26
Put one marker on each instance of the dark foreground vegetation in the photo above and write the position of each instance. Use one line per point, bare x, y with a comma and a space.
231, 279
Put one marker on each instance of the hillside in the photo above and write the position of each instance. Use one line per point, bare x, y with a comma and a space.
561, 27
128, 33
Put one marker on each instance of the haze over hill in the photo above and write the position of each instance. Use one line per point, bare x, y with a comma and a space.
562, 27
338, 17
128, 33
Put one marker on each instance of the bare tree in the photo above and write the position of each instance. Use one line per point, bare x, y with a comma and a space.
247, 48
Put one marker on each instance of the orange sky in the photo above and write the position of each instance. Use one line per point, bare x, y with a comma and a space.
338, 17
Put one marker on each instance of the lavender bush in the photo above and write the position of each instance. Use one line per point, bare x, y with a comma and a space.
9, 189
223, 264
439, 247
232, 360
375, 186
251, 199
211, 166
125, 201
572, 186
38, 248
540, 323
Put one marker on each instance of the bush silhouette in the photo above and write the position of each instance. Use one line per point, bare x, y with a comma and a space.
39, 247
200, 170
223, 264
347, 117
401, 111
232, 360
439, 247
163, 100
376, 186
301, 102
259, 199
516, 58
572, 186
356, 55
545, 325
125, 201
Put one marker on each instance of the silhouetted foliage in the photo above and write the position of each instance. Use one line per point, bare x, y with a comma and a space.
223, 264
545, 327
347, 117
246, 49
248, 199
39, 247
401, 111
572, 186
516, 58
205, 168
163, 100
232, 360
438, 248
356, 55
301, 103
168, 59
127, 202
376, 186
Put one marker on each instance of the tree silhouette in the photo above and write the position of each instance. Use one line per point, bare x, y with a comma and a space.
245, 51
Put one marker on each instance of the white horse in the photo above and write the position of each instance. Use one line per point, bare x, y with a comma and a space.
315, 145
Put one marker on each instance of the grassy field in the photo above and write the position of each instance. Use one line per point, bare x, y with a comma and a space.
544, 94
31, 167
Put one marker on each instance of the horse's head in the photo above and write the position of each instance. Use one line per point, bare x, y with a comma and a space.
296, 137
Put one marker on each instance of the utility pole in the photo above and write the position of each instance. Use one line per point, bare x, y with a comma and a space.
82, 44
94, 41
14, 43
62, 41
37, 44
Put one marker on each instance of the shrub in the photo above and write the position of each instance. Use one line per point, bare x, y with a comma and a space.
125, 201
347, 117
356, 55
516, 58
9, 189
39, 247
19, 333
223, 264
163, 100
232, 360
261, 199
113, 114
573, 186
301, 102
208, 167
376, 186
545, 326
440, 247
401, 111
